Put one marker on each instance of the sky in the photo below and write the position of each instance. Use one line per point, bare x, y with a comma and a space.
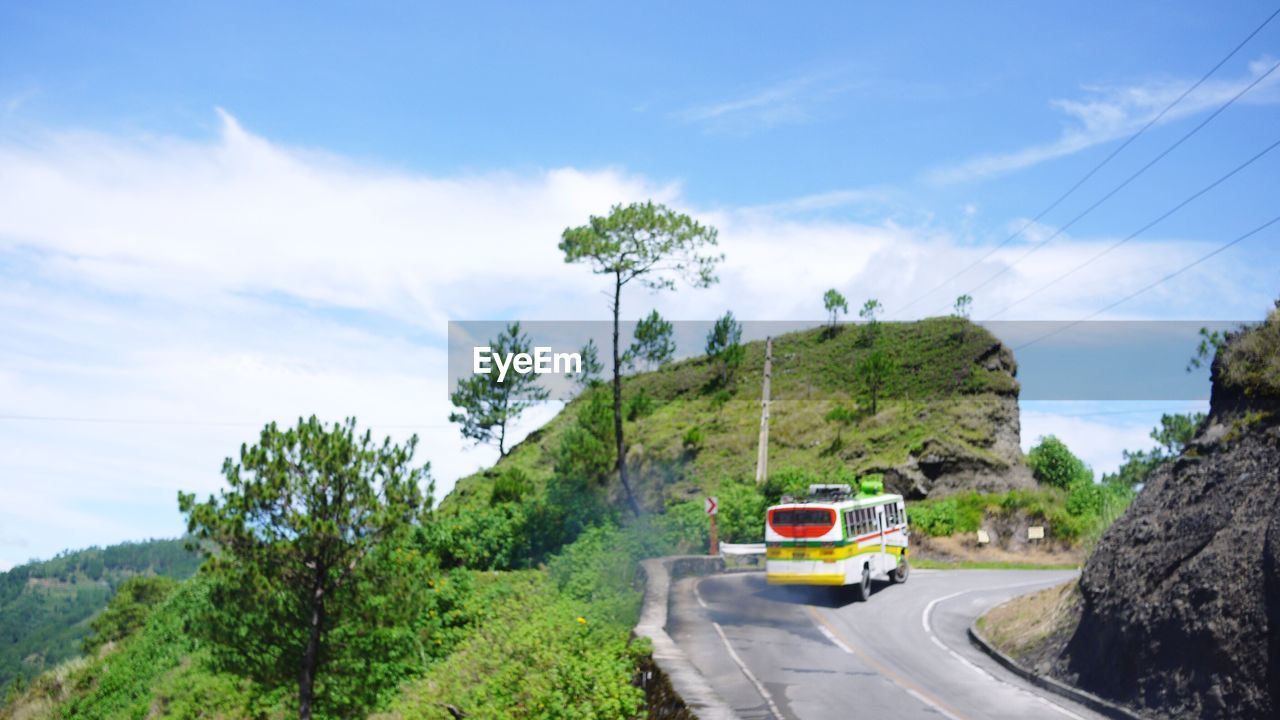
219, 215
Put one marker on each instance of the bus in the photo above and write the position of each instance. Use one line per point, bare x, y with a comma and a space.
836, 537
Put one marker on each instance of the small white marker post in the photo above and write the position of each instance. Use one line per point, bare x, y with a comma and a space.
712, 506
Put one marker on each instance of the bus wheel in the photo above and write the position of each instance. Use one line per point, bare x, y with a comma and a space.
862, 591
899, 574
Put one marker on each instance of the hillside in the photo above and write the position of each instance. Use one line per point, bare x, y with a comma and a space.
1180, 603
947, 417
46, 606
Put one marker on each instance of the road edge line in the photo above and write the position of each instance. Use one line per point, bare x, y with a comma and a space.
1088, 699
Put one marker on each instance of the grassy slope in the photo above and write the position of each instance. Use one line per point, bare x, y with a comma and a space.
938, 396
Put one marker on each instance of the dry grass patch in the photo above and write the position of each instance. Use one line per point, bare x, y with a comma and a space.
1032, 628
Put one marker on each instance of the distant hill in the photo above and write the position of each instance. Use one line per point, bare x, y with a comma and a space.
947, 417
46, 606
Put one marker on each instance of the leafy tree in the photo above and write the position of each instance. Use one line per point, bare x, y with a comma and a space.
870, 314
835, 305
963, 304
128, 610
1210, 344
724, 346
650, 244
1176, 431
488, 405
874, 368
591, 367
510, 486
1054, 464
306, 537
653, 345
586, 446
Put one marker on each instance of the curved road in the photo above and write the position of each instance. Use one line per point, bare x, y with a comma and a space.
813, 653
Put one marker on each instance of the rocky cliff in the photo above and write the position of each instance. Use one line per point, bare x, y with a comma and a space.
1181, 599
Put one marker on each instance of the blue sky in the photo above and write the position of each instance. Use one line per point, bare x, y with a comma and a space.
230, 213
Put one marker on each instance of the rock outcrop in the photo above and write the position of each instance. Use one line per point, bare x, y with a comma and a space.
1181, 599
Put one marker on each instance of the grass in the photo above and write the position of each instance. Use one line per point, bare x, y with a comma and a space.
1029, 626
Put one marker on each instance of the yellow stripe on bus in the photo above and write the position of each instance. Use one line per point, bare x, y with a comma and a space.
804, 579
827, 554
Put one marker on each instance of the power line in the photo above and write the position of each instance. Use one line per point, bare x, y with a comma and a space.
1126, 181
1101, 164
1139, 231
187, 422
1144, 289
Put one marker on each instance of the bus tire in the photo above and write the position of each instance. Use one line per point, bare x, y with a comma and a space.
900, 573
862, 591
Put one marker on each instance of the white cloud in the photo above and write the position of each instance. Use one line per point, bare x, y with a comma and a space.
201, 288
1110, 112
790, 102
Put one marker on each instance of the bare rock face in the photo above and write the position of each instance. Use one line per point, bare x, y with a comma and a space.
940, 468
1181, 599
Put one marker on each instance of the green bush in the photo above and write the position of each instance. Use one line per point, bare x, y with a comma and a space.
693, 438
1054, 464
510, 486
639, 406
128, 610
787, 481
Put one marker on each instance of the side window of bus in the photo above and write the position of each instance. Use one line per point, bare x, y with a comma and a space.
850, 524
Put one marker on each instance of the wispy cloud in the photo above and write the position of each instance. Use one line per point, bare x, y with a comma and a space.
1110, 112
789, 102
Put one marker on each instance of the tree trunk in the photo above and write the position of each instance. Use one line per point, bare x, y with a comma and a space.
311, 658
617, 398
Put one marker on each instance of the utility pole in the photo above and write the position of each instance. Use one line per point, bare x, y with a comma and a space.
762, 453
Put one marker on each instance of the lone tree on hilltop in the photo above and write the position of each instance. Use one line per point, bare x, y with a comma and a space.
487, 405
870, 314
652, 245
654, 345
305, 579
875, 369
963, 305
835, 305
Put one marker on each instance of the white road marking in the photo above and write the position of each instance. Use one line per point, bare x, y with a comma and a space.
927, 624
733, 654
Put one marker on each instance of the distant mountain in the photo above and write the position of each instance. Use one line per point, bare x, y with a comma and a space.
45, 607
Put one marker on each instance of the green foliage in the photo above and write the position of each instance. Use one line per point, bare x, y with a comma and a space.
948, 515
589, 375
640, 405
654, 345
488, 403
45, 606
309, 574
692, 439
587, 447
835, 305
1251, 360
557, 648
724, 347
790, 481
1055, 465
875, 368
128, 610
1210, 344
963, 305
512, 485
1175, 431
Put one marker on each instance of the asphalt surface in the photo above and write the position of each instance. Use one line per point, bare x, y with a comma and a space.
815, 653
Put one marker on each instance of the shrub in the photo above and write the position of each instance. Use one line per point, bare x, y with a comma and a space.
693, 438
1054, 464
639, 406
510, 486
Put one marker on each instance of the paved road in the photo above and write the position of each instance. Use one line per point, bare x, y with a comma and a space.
813, 653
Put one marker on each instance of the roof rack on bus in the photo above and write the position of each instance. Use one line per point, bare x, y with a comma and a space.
830, 491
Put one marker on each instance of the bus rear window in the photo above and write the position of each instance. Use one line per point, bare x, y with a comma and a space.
802, 516
802, 522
